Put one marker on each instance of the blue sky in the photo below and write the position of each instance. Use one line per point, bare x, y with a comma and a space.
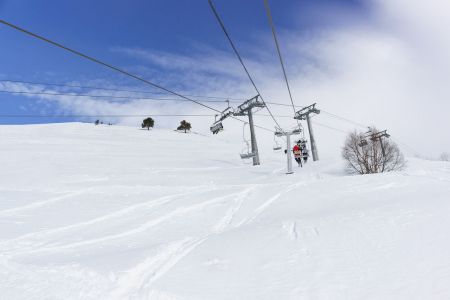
100, 28
375, 62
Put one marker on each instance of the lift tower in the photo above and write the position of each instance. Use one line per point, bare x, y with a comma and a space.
303, 114
279, 132
376, 136
245, 109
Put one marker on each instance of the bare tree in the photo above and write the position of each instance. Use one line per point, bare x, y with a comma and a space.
444, 156
370, 154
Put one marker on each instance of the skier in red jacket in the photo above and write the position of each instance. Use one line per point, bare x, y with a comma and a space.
297, 154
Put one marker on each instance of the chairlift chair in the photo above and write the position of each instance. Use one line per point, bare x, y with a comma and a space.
276, 145
362, 143
246, 152
216, 127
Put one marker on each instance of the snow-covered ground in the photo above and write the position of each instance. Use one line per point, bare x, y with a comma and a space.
109, 212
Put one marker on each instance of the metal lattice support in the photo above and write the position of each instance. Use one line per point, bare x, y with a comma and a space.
375, 136
304, 114
245, 109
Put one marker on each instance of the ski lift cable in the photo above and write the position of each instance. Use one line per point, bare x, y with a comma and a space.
101, 96
362, 126
117, 115
152, 115
114, 68
151, 83
125, 97
414, 151
329, 127
127, 115
103, 116
222, 99
100, 62
231, 100
136, 98
104, 96
76, 86
121, 115
344, 119
240, 58
111, 96
272, 26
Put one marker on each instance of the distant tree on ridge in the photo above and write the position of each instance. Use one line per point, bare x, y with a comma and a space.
184, 125
147, 123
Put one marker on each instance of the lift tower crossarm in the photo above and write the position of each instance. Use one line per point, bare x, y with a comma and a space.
242, 110
378, 135
303, 113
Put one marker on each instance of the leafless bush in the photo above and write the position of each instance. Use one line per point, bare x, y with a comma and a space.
365, 155
444, 156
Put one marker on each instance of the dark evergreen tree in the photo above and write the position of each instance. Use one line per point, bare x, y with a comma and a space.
97, 122
147, 123
184, 125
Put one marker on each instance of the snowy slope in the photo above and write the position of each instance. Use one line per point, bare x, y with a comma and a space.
118, 213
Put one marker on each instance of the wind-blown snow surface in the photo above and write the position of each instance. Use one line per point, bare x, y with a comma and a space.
106, 212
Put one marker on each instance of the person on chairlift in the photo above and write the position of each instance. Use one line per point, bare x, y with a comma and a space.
305, 153
297, 153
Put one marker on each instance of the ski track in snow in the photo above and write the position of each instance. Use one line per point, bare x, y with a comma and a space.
141, 228
229, 215
258, 211
138, 280
40, 235
8, 212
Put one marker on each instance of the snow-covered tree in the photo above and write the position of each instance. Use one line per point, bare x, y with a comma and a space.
445, 156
